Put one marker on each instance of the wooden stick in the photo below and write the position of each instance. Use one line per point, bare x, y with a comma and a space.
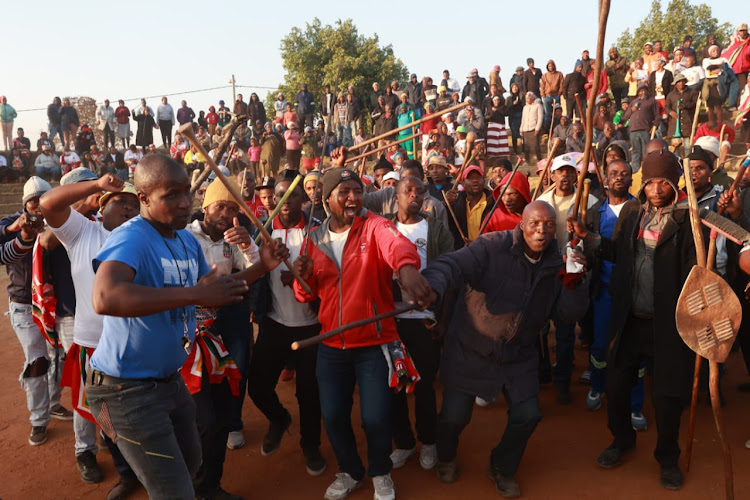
354, 324
225, 140
379, 149
408, 125
585, 199
187, 131
603, 15
455, 220
309, 220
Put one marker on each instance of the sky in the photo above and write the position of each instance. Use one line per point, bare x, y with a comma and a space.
127, 50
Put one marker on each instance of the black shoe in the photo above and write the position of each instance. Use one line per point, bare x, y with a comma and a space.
563, 395
38, 435
90, 471
671, 477
506, 486
124, 488
218, 494
314, 461
612, 456
272, 439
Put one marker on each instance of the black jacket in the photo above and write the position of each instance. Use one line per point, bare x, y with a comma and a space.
666, 83
573, 84
459, 208
19, 272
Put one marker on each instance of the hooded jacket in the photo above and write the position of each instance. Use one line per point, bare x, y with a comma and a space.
532, 116
363, 285
573, 84
501, 219
490, 342
552, 81
617, 75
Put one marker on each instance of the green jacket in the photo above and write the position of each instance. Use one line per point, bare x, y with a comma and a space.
617, 76
7, 113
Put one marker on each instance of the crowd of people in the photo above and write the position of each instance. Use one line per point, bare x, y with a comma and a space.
144, 300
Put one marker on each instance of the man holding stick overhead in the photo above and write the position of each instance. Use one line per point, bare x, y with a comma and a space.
490, 344
350, 262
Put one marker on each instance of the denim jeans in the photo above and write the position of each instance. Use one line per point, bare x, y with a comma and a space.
153, 424
638, 141
40, 387
236, 330
48, 173
56, 129
505, 458
425, 353
338, 371
566, 339
549, 103
271, 353
344, 136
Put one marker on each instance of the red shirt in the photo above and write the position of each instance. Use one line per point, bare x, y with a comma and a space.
212, 118
703, 130
257, 206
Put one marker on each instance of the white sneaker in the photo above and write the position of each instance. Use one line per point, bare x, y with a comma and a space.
236, 439
341, 487
428, 456
481, 402
400, 456
383, 488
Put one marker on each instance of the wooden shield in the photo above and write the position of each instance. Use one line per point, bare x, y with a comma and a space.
708, 314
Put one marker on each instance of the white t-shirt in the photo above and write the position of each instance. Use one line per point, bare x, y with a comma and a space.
718, 61
658, 77
82, 239
338, 240
286, 310
616, 209
223, 255
694, 75
417, 234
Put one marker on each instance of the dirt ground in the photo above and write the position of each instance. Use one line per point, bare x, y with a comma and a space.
559, 461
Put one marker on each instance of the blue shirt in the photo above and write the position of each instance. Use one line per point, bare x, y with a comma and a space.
149, 346
607, 222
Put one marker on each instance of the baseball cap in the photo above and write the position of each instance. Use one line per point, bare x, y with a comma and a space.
708, 143
470, 169
564, 161
461, 129
128, 188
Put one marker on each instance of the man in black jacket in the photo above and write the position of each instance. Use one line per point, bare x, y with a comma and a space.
573, 85
472, 204
653, 251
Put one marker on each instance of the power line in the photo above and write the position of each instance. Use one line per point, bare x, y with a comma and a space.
168, 95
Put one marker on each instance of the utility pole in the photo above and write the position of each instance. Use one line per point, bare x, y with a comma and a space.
234, 93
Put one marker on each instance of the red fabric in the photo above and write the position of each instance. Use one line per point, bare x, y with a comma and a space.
603, 86
704, 131
257, 206
212, 118
122, 114
428, 125
74, 376
209, 357
373, 250
43, 300
738, 55
501, 219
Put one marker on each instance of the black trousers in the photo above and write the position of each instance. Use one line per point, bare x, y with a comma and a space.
272, 349
425, 352
637, 342
109, 137
165, 127
213, 413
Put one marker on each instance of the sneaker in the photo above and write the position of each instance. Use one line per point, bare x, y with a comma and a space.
123, 489
563, 395
593, 400
506, 486
61, 413
342, 486
90, 471
671, 478
638, 421
428, 456
38, 435
400, 456
314, 461
585, 378
272, 439
383, 488
286, 375
612, 456
481, 402
447, 472
236, 439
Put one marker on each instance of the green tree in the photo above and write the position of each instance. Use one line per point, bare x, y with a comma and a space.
681, 18
314, 54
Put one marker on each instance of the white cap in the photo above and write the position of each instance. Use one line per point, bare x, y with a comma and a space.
565, 160
708, 143
392, 175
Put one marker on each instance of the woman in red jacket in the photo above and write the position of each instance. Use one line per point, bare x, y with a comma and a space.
350, 262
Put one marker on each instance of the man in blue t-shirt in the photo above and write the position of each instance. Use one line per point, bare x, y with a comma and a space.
150, 274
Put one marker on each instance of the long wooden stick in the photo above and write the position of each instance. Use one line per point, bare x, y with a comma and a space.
379, 149
225, 140
408, 125
455, 220
603, 15
354, 324
281, 202
187, 131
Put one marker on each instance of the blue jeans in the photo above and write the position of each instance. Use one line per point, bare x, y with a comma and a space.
48, 173
549, 102
566, 339
455, 414
638, 141
344, 136
598, 358
56, 129
153, 424
338, 370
